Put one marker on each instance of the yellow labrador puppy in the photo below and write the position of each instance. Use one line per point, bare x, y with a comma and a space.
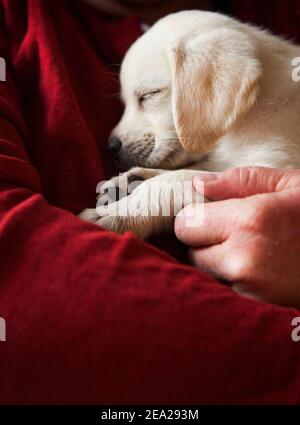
202, 91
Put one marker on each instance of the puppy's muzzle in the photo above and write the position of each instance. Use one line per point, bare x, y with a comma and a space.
128, 154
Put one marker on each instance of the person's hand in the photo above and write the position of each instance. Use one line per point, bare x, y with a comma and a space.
251, 233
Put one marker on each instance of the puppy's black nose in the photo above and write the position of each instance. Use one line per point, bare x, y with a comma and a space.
114, 145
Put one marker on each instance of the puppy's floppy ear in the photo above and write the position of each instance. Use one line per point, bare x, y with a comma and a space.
215, 79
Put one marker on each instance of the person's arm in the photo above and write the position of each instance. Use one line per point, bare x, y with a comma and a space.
250, 235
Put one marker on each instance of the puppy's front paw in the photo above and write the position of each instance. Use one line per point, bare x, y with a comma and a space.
127, 214
138, 225
110, 220
124, 204
122, 185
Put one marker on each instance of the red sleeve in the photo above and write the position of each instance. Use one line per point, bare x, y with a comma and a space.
93, 317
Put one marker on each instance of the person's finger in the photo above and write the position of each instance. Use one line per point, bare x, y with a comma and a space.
245, 181
210, 259
218, 262
218, 221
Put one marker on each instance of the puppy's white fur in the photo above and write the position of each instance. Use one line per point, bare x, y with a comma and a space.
205, 92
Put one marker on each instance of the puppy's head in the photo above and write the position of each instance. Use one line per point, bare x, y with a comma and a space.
185, 83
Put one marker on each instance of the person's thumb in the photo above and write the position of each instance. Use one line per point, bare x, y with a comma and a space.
245, 181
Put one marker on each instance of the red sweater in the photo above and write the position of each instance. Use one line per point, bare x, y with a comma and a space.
93, 317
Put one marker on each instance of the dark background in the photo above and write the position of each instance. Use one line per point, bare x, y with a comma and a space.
281, 16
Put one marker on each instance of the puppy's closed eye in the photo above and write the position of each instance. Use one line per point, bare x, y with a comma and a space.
142, 98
